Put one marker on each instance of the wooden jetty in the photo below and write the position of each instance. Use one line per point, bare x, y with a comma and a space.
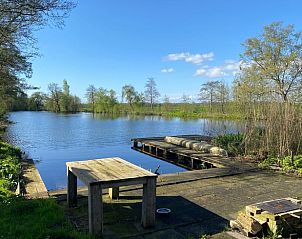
181, 156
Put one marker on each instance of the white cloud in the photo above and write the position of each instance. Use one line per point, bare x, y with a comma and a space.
190, 58
212, 72
167, 70
230, 67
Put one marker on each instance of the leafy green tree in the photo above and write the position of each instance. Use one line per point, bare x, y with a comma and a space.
36, 101
130, 95
20, 102
91, 96
18, 21
65, 98
55, 93
139, 99
106, 101
74, 104
272, 63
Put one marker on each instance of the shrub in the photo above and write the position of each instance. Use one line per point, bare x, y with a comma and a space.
232, 143
268, 162
298, 161
9, 169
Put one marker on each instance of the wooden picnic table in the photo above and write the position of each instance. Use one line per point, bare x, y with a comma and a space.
110, 173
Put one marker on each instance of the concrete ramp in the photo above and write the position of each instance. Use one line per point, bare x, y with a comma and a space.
34, 185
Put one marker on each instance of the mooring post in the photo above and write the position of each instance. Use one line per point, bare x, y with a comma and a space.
165, 153
135, 144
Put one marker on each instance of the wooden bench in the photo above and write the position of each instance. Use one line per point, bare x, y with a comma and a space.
110, 173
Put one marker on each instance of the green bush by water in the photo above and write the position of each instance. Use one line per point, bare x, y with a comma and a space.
9, 169
232, 143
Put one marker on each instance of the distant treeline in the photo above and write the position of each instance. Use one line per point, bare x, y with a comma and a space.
215, 101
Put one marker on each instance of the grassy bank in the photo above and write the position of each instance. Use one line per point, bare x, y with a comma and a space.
184, 111
36, 218
21, 218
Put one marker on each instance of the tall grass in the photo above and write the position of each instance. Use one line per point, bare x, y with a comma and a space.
35, 219
279, 133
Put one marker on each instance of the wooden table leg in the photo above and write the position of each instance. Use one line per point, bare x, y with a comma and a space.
149, 203
114, 193
95, 209
71, 189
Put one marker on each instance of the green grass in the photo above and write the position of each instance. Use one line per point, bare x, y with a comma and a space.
28, 219
35, 219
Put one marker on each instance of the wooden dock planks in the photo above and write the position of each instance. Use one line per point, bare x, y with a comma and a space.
181, 156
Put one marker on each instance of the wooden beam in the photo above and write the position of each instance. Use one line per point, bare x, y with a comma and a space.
71, 189
114, 193
95, 209
149, 203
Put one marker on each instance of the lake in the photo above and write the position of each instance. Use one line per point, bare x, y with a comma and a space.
52, 139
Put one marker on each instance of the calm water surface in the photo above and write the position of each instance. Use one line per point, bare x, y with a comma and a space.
54, 139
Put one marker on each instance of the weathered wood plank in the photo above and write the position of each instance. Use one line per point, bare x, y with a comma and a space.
113, 192
95, 209
149, 203
84, 174
108, 169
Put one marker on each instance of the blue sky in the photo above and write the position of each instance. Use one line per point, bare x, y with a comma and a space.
181, 43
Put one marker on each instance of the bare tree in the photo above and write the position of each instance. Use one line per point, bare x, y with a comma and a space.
166, 103
208, 92
151, 92
223, 95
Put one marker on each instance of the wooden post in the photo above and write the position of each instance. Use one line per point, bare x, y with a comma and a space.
95, 209
165, 155
114, 193
71, 189
135, 144
149, 202
192, 163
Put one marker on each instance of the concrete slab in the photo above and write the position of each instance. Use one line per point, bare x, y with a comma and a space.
34, 185
199, 207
